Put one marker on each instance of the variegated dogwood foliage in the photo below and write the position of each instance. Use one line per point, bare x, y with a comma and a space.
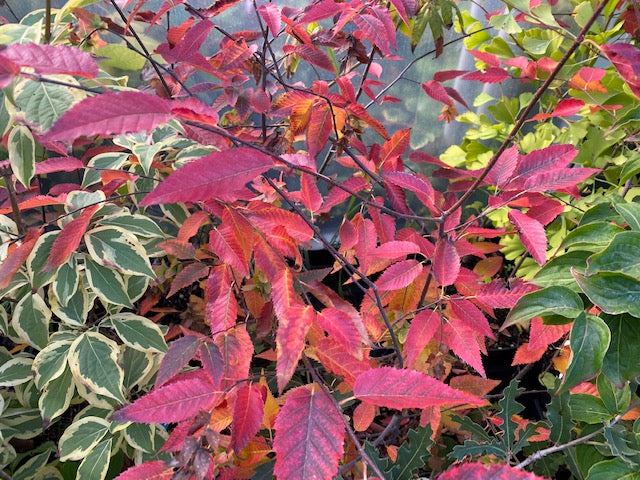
208, 182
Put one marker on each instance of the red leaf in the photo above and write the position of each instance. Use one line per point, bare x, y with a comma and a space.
558, 179
310, 196
480, 471
541, 335
626, 58
37, 201
222, 312
465, 343
173, 402
156, 470
309, 439
340, 361
290, 339
237, 349
311, 54
526, 354
180, 352
540, 161
489, 58
14, 260
268, 217
504, 167
182, 250
270, 13
110, 113
422, 329
496, 295
448, 75
8, 70
212, 176
445, 262
340, 327
52, 59
248, 410
422, 189
186, 50
437, 92
531, 234
374, 30
224, 244
58, 164
490, 75
319, 128
395, 249
396, 145
588, 79
399, 275
394, 388
69, 238
320, 10
360, 112
469, 315
188, 275
565, 108
212, 362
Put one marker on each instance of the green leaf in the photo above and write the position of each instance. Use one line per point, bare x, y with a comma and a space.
74, 314
93, 359
136, 366
29, 470
37, 259
557, 272
139, 332
412, 455
625, 344
631, 214
31, 320
15, 372
140, 436
589, 341
145, 154
96, 464
611, 291
139, 225
103, 161
107, 284
616, 399
508, 408
116, 248
621, 255
22, 154
610, 469
136, 286
56, 397
588, 409
120, 56
559, 415
50, 362
592, 235
66, 282
43, 103
472, 448
622, 444
81, 437
551, 300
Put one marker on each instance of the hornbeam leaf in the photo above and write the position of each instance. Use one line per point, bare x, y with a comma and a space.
52, 59
551, 300
93, 359
81, 436
14, 260
139, 332
110, 114
173, 402
217, 175
395, 388
116, 248
309, 439
422, 329
290, 337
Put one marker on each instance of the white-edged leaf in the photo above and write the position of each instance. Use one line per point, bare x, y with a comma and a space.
43, 103
140, 436
16, 371
93, 359
66, 282
137, 224
50, 362
116, 248
37, 260
107, 284
31, 320
136, 366
22, 154
80, 438
139, 332
96, 464
56, 396
101, 162
76, 311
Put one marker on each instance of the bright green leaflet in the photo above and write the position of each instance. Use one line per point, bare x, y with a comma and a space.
116, 248
81, 436
93, 359
121, 57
